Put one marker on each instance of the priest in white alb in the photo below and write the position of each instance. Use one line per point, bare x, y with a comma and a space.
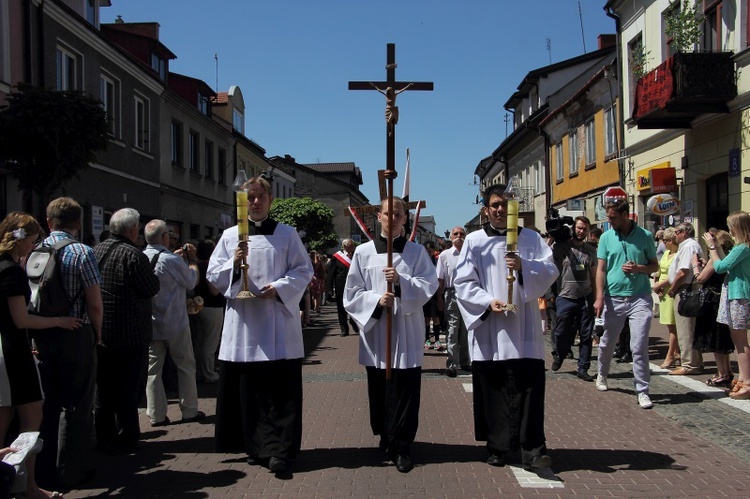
506, 347
259, 401
394, 405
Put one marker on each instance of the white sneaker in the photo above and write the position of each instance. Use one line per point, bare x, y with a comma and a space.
644, 401
601, 383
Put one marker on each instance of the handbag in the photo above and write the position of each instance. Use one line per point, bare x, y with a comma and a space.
697, 302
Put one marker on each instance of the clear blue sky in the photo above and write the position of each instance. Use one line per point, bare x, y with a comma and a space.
293, 60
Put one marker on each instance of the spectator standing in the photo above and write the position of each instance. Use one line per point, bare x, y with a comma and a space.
177, 273
210, 318
20, 386
734, 308
128, 285
576, 261
457, 336
666, 302
680, 274
627, 257
67, 358
338, 268
710, 334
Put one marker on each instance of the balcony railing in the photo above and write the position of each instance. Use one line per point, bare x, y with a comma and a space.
683, 87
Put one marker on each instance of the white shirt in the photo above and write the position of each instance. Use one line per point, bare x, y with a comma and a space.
684, 258
446, 265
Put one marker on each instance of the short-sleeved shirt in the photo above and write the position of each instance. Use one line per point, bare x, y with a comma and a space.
616, 250
13, 282
574, 264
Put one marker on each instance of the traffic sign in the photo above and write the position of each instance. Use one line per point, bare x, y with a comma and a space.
614, 194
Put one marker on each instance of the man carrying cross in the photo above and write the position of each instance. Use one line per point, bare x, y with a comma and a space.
394, 404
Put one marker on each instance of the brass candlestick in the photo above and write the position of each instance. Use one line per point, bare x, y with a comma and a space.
242, 229
511, 238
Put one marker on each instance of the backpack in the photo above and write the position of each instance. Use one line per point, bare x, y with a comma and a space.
48, 295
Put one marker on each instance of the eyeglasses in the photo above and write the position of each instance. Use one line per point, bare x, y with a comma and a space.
678, 231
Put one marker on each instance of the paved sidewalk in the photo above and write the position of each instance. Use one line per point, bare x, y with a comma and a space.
603, 445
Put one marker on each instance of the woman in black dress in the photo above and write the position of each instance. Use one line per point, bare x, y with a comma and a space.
20, 388
710, 335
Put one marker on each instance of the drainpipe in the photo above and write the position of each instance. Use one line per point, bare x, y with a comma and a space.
40, 39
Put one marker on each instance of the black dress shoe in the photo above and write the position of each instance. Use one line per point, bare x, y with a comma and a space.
556, 363
495, 460
451, 372
540, 461
585, 376
278, 465
403, 463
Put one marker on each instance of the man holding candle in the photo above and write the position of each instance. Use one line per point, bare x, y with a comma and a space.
259, 401
506, 347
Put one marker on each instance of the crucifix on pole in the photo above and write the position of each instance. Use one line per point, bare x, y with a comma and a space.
390, 89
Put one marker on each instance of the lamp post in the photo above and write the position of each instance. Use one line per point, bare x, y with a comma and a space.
242, 227
511, 195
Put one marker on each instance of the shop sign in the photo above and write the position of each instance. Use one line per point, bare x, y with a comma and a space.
643, 176
663, 204
663, 180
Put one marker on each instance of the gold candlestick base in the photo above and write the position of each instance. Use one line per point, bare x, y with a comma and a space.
245, 292
243, 295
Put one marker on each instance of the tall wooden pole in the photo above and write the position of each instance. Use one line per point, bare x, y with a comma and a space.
390, 89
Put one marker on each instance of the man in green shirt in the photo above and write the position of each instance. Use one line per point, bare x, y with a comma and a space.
626, 258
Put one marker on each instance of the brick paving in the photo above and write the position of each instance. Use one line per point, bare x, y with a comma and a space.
603, 444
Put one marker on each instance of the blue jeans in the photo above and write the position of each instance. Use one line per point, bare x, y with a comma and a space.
568, 310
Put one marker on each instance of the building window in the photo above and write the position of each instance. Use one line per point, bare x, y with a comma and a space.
194, 229
672, 10
539, 180
203, 104
67, 69
209, 232
109, 93
176, 143
610, 132
238, 121
573, 152
559, 162
159, 65
209, 162
221, 163
712, 25
590, 143
193, 151
142, 120
92, 12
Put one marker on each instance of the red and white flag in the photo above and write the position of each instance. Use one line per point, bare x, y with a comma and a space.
405, 192
416, 222
360, 223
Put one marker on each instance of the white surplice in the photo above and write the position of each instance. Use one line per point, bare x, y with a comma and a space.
365, 284
262, 329
481, 277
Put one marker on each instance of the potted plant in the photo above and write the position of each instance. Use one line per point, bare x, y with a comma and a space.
683, 24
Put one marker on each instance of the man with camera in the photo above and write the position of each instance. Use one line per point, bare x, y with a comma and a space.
576, 261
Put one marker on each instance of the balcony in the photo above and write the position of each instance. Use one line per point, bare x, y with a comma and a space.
683, 87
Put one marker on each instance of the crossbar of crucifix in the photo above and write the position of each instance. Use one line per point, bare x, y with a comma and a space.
390, 89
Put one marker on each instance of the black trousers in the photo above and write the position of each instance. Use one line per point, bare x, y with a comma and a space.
259, 408
394, 406
67, 367
509, 406
120, 384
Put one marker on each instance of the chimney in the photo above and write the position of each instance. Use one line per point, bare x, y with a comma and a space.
606, 41
119, 20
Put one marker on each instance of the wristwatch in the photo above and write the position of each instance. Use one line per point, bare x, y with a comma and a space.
712, 247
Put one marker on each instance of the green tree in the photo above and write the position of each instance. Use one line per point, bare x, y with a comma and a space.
48, 137
311, 217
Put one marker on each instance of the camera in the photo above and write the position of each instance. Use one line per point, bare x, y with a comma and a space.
560, 228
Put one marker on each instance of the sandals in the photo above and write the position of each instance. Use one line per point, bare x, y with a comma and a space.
720, 380
741, 391
668, 363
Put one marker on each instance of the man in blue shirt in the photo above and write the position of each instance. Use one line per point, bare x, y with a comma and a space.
627, 257
67, 359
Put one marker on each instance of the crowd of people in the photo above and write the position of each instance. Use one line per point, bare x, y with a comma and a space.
129, 313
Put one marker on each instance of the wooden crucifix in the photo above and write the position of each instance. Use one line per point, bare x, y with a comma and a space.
390, 89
